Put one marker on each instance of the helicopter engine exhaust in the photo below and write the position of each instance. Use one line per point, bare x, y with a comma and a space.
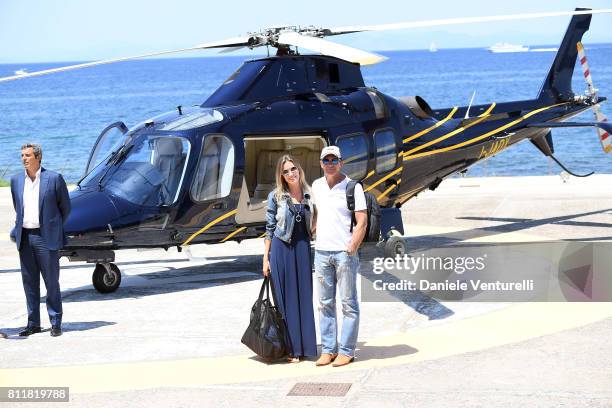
418, 106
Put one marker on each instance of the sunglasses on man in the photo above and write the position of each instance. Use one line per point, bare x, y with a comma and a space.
333, 161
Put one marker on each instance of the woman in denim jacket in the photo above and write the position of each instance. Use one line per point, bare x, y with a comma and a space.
289, 227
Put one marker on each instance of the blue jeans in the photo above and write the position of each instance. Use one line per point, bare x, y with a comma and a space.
339, 267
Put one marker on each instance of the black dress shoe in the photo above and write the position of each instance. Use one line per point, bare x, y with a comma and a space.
56, 331
29, 330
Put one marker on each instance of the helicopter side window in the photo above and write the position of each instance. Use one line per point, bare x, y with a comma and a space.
169, 159
215, 171
386, 150
354, 150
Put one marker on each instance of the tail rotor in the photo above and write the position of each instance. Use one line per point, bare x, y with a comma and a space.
603, 135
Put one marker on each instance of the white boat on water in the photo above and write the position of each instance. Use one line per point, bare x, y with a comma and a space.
21, 71
432, 47
507, 47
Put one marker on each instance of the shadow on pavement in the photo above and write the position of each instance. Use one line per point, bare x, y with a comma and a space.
172, 280
85, 265
12, 333
511, 225
365, 352
416, 300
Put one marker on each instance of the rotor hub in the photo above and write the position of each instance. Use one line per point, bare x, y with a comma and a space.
270, 36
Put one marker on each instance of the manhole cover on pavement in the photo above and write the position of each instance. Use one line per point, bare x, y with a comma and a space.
320, 389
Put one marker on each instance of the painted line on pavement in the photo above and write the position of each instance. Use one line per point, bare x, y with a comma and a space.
514, 324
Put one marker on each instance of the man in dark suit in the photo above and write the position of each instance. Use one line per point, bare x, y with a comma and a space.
42, 205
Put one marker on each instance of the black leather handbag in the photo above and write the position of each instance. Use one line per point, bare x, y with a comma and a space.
266, 334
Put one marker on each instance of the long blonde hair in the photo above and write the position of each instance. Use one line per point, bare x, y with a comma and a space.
281, 184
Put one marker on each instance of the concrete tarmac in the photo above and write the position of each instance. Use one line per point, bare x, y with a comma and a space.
170, 336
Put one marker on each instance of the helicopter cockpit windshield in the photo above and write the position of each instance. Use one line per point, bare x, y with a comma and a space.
149, 174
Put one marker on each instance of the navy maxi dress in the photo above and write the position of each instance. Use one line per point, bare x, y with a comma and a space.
292, 279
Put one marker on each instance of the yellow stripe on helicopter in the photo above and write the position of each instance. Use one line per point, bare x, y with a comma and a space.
239, 230
383, 179
451, 134
384, 193
429, 129
210, 224
484, 136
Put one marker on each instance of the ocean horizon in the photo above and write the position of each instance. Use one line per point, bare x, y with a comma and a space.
65, 112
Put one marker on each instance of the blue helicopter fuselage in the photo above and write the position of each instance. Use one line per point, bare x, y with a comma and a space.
196, 174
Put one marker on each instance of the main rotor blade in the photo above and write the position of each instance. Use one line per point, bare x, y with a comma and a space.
229, 49
330, 48
231, 42
463, 20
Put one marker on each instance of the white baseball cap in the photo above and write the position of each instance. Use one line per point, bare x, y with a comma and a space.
333, 150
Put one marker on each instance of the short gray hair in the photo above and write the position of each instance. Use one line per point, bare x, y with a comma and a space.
35, 147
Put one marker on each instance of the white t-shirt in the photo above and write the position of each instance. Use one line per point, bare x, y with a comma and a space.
333, 216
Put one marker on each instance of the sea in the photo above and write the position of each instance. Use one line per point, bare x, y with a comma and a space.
65, 112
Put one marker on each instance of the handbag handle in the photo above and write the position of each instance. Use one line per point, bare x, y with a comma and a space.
265, 285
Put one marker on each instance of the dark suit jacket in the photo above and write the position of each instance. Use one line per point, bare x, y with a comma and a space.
53, 207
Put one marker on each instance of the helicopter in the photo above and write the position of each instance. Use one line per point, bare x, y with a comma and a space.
202, 174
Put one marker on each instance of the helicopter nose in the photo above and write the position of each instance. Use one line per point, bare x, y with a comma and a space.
91, 211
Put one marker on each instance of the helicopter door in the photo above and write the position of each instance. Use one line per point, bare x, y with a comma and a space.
111, 138
261, 155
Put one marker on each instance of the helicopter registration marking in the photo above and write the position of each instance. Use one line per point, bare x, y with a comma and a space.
238, 231
429, 129
450, 134
494, 148
210, 224
484, 136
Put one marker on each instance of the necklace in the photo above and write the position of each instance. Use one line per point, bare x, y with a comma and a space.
298, 215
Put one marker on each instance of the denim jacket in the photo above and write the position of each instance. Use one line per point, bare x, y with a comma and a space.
280, 216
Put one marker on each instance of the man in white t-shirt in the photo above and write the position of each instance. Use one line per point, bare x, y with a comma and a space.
336, 258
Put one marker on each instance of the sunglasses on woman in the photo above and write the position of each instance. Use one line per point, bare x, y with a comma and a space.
291, 170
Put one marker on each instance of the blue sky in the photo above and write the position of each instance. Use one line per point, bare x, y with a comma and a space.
71, 30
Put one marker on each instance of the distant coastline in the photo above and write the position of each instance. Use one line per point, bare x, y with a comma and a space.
245, 55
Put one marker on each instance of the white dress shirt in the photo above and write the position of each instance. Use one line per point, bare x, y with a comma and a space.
333, 215
31, 192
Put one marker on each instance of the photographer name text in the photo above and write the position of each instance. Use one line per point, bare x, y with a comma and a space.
472, 284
